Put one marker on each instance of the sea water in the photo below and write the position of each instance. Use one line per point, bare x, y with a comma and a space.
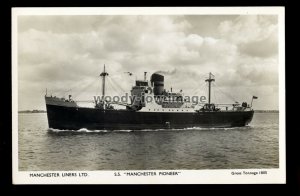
253, 146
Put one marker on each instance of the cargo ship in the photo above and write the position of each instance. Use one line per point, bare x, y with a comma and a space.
167, 110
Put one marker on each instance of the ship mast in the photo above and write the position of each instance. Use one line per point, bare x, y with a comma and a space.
103, 75
209, 80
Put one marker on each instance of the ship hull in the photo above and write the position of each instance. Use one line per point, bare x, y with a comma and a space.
74, 118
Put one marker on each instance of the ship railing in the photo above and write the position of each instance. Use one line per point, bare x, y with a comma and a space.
120, 103
86, 101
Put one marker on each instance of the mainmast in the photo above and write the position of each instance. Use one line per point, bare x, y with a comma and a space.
209, 80
103, 75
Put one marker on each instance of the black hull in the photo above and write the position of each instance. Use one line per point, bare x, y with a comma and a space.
74, 118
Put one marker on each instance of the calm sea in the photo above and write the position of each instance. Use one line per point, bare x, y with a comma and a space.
254, 146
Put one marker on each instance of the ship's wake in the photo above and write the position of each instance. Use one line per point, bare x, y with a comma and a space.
217, 128
84, 130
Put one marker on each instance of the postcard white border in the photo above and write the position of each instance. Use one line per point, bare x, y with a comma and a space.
226, 176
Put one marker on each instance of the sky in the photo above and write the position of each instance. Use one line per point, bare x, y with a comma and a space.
66, 54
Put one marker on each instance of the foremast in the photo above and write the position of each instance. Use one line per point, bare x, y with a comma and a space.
102, 104
103, 75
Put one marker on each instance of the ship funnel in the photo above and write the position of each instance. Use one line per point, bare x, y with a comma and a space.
157, 81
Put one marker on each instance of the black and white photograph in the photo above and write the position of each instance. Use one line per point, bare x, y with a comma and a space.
148, 95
